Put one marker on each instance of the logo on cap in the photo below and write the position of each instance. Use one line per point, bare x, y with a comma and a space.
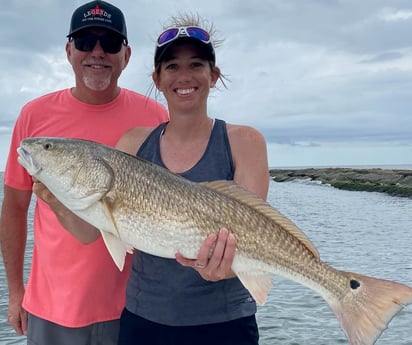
97, 11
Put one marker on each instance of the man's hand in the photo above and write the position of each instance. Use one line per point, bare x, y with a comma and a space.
17, 316
44, 194
79, 228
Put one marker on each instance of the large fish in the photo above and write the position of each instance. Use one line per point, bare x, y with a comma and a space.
137, 204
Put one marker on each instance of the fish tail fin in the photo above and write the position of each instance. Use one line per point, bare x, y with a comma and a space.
365, 311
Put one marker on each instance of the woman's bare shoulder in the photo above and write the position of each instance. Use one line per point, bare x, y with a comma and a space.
243, 133
132, 139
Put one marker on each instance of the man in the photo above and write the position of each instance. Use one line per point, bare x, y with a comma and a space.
75, 293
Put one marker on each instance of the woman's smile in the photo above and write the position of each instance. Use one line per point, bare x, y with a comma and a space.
185, 91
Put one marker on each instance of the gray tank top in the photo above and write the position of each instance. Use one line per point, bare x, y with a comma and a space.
163, 291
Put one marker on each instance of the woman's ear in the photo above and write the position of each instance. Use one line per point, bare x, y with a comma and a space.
215, 76
156, 80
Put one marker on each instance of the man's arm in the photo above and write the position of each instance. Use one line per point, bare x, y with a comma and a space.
13, 235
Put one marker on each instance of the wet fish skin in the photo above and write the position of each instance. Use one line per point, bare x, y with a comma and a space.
137, 204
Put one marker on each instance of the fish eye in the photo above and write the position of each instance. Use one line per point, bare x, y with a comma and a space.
47, 146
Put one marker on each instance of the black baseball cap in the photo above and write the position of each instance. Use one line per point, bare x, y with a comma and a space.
98, 14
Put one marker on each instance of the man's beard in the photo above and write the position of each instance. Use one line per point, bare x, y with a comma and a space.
97, 84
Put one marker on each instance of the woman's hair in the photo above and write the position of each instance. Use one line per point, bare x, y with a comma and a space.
191, 19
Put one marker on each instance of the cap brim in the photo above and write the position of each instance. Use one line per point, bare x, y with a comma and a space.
94, 25
206, 48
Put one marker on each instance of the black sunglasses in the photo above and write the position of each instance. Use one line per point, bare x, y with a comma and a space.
110, 43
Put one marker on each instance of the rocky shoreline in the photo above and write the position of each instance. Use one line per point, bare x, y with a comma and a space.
394, 182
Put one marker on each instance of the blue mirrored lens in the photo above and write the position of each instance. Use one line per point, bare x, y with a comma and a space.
167, 36
198, 33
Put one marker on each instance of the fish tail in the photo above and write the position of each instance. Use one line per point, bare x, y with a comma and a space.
370, 304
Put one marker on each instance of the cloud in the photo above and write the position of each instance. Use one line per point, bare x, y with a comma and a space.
308, 74
395, 15
386, 56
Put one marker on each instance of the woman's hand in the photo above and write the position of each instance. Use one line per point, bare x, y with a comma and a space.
215, 257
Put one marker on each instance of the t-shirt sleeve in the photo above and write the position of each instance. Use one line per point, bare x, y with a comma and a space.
15, 175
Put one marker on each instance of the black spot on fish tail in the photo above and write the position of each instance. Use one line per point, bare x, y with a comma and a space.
354, 284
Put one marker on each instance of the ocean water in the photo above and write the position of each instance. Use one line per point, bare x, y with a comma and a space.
368, 233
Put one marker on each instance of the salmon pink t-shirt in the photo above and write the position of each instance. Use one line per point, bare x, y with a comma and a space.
70, 283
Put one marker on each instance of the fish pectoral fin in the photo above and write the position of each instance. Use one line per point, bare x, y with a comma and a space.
119, 247
74, 203
258, 284
108, 208
116, 248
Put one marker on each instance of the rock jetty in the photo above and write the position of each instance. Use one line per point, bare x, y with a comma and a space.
395, 182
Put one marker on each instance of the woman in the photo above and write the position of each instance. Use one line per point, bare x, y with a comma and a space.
199, 301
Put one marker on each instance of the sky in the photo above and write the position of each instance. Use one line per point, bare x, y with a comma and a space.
327, 82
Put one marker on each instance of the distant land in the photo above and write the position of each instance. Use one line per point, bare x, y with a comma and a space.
396, 182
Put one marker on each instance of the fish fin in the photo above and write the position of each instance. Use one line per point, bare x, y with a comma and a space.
258, 284
365, 311
233, 190
107, 203
116, 248
101, 188
78, 204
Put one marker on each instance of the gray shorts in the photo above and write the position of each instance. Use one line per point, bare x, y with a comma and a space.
43, 332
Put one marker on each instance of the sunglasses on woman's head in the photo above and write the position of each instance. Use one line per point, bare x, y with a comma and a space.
184, 31
110, 42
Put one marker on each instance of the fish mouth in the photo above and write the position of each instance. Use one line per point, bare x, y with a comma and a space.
28, 162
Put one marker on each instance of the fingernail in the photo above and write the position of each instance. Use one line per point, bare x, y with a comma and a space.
224, 231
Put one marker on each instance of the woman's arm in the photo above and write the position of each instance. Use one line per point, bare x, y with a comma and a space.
250, 159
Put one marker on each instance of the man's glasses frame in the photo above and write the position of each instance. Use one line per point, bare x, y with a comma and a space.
110, 42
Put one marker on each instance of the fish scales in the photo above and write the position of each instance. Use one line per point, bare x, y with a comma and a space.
202, 210
138, 204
